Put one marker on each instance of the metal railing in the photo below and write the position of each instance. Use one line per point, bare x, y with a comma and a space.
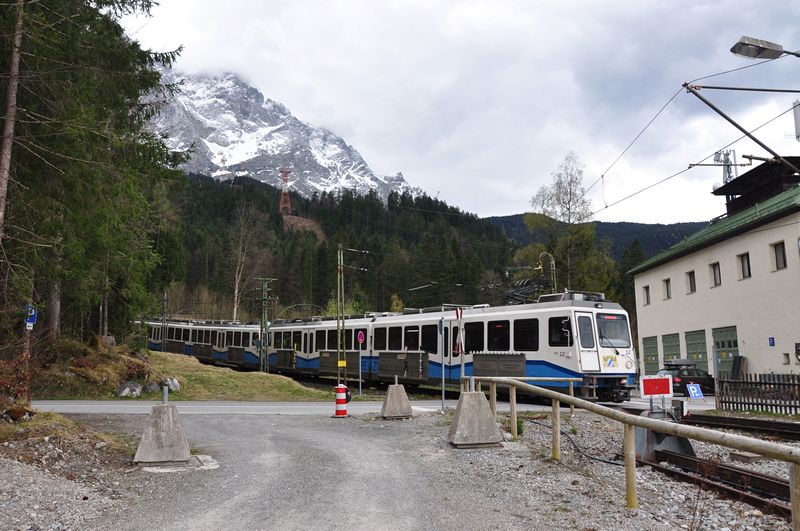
769, 449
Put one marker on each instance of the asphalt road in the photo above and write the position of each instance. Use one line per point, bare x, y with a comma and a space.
356, 407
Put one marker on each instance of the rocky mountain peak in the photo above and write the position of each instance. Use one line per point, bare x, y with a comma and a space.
235, 130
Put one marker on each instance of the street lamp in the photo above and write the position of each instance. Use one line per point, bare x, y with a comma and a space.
757, 49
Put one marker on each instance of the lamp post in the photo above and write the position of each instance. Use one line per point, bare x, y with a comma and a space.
753, 48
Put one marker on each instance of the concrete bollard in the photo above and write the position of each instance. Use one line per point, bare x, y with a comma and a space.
163, 440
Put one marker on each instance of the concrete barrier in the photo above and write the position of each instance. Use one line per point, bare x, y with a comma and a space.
396, 405
474, 425
163, 440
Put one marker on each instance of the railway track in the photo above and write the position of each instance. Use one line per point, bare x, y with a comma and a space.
775, 428
760, 490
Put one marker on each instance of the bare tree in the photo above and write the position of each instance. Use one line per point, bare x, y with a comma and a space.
243, 241
563, 213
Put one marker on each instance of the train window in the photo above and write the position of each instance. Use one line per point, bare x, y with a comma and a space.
255, 339
446, 330
311, 342
395, 338
456, 339
585, 331
499, 335
473, 337
332, 338
559, 331
348, 339
214, 337
296, 340
430, 339
305, 343
321, 340
237, 339
411, 341
228, 338
526, 334
186, 335
276, 339
613, 330
287, 340
194, 336
379, 339
246, 336
170, 333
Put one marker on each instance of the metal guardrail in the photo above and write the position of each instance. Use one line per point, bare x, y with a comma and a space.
769, 449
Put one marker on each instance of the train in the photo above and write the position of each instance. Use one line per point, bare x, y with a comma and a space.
563, 335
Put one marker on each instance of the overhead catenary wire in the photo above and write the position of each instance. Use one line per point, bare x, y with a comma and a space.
660, 111
665, 179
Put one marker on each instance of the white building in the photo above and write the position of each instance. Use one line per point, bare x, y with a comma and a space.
733, 288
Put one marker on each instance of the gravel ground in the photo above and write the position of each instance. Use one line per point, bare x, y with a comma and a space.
398, 474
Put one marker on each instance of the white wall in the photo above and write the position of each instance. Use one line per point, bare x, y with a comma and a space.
765, 305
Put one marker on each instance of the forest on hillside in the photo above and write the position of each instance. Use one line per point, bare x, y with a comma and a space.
409, 251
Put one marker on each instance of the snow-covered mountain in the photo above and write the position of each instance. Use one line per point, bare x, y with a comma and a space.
236, 131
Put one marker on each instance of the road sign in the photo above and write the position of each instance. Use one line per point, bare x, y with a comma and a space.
360, 337
694, 390
772, 341
30, 314
656, 386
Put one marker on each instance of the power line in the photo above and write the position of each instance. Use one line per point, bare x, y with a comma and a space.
661, 110
665, 179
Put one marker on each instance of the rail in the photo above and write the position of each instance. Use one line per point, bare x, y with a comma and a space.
630, 422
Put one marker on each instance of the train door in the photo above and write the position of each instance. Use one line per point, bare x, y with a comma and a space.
587, 346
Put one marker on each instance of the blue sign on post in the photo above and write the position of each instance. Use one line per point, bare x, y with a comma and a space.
694, 390
30, 314
772, 341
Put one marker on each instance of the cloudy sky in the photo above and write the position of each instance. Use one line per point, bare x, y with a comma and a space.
479, 101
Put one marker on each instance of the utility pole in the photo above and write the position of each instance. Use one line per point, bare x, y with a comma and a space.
263, 336
341, 355
164, 323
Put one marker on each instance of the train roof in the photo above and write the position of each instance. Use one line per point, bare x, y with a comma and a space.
567, 299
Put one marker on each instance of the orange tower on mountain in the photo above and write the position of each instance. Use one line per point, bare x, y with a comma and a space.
286, 203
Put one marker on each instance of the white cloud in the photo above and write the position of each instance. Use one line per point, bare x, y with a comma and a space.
480, 100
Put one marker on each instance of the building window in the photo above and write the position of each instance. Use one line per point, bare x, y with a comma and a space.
779, 251
744, 265
646, 295
716, 275
667, 288
691, 283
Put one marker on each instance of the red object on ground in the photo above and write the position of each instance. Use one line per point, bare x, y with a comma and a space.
341, 400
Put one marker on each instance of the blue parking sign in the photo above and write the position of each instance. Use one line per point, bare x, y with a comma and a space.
694, 390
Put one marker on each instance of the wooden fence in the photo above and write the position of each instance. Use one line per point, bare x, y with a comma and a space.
774, 393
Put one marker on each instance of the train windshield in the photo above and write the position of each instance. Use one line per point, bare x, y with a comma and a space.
613, 330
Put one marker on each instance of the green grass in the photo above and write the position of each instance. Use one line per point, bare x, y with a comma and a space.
60, 428
206, 382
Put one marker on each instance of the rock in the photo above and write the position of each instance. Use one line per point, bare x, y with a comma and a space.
17, 412
151, 387
131, 389
100, 445
174, 386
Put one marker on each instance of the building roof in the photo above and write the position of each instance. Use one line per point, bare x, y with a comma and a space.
719, 230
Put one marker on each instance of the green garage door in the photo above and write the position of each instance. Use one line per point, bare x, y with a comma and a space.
671, 346
650, 352
726, 346
696, 348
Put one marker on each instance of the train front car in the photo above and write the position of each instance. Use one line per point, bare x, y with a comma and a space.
599, 338
571, 335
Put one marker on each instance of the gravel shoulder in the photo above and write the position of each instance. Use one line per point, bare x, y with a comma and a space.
300, 472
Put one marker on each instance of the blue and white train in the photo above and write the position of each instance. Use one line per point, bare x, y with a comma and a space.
568, 335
